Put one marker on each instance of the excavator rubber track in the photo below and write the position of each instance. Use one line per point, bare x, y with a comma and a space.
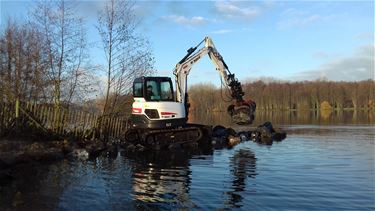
164, 138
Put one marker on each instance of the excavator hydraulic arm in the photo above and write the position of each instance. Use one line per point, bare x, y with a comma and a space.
241, 111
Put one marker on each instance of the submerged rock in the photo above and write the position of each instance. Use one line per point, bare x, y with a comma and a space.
244, 136
139, 148
80, 154
112, 151
223, 132
224, 137
279, 135
266, 134
233, 140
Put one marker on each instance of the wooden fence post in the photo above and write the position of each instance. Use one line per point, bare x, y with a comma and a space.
17, 108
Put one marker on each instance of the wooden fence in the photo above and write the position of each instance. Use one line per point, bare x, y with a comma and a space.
63, 121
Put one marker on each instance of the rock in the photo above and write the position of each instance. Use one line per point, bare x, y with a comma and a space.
268, 126
35, 147
218, 141
3, 147
231, 131
112, 151
64, 146
95, 147
174, 146
5, 175
80, 154
10, 158
219, 131
3, 165
17, 200
190, 145
49, 154
39, 151
261, 137
244, 136
266, 134
263, 134
233, 140
130, 148
279, 135
222, 136
139, 148
135, 148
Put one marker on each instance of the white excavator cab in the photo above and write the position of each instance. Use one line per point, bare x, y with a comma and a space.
154, 89
155, 105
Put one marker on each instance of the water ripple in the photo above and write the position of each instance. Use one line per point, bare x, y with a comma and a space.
315, 168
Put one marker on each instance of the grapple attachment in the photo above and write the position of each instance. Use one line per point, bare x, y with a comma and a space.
242, 113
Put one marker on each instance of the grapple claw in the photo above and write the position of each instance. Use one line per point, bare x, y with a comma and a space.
242, 113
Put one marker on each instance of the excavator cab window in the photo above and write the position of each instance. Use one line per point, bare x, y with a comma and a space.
138, 89
152, 92
154, 89
166, 91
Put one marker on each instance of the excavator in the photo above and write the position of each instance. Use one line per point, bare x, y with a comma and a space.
159, 116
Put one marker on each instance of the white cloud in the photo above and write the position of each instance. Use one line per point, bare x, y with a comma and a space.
291, 18
359, 66
179, 19
233, 11
226, 31
365, 36
292, 12
222, 31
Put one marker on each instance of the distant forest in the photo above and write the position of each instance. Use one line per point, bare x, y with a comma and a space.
279, 95
44, 59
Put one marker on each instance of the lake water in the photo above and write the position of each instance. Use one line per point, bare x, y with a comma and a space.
323, 164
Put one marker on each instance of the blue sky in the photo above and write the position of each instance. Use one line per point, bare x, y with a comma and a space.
286, 40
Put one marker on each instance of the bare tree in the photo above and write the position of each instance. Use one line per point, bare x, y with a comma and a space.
21, 71
128, 54
64, 46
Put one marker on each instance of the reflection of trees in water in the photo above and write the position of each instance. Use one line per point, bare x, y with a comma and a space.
209, 118
162, 176
34, 187
242, 166
291, 117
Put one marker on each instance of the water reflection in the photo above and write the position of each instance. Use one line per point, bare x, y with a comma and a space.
326, 117
162, 176
165, 177
27, 189
322, 168
242, 166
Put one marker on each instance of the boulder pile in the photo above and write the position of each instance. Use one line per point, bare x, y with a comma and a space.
263, 134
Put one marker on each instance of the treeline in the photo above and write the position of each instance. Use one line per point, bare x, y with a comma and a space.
45, 58
279, 95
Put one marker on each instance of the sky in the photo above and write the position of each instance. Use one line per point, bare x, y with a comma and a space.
284, 40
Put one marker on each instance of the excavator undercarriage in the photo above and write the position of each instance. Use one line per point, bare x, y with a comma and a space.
168, 137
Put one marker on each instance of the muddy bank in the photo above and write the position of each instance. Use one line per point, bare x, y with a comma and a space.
15, 152
19, 152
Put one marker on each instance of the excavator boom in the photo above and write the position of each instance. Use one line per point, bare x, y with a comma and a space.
241, 111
